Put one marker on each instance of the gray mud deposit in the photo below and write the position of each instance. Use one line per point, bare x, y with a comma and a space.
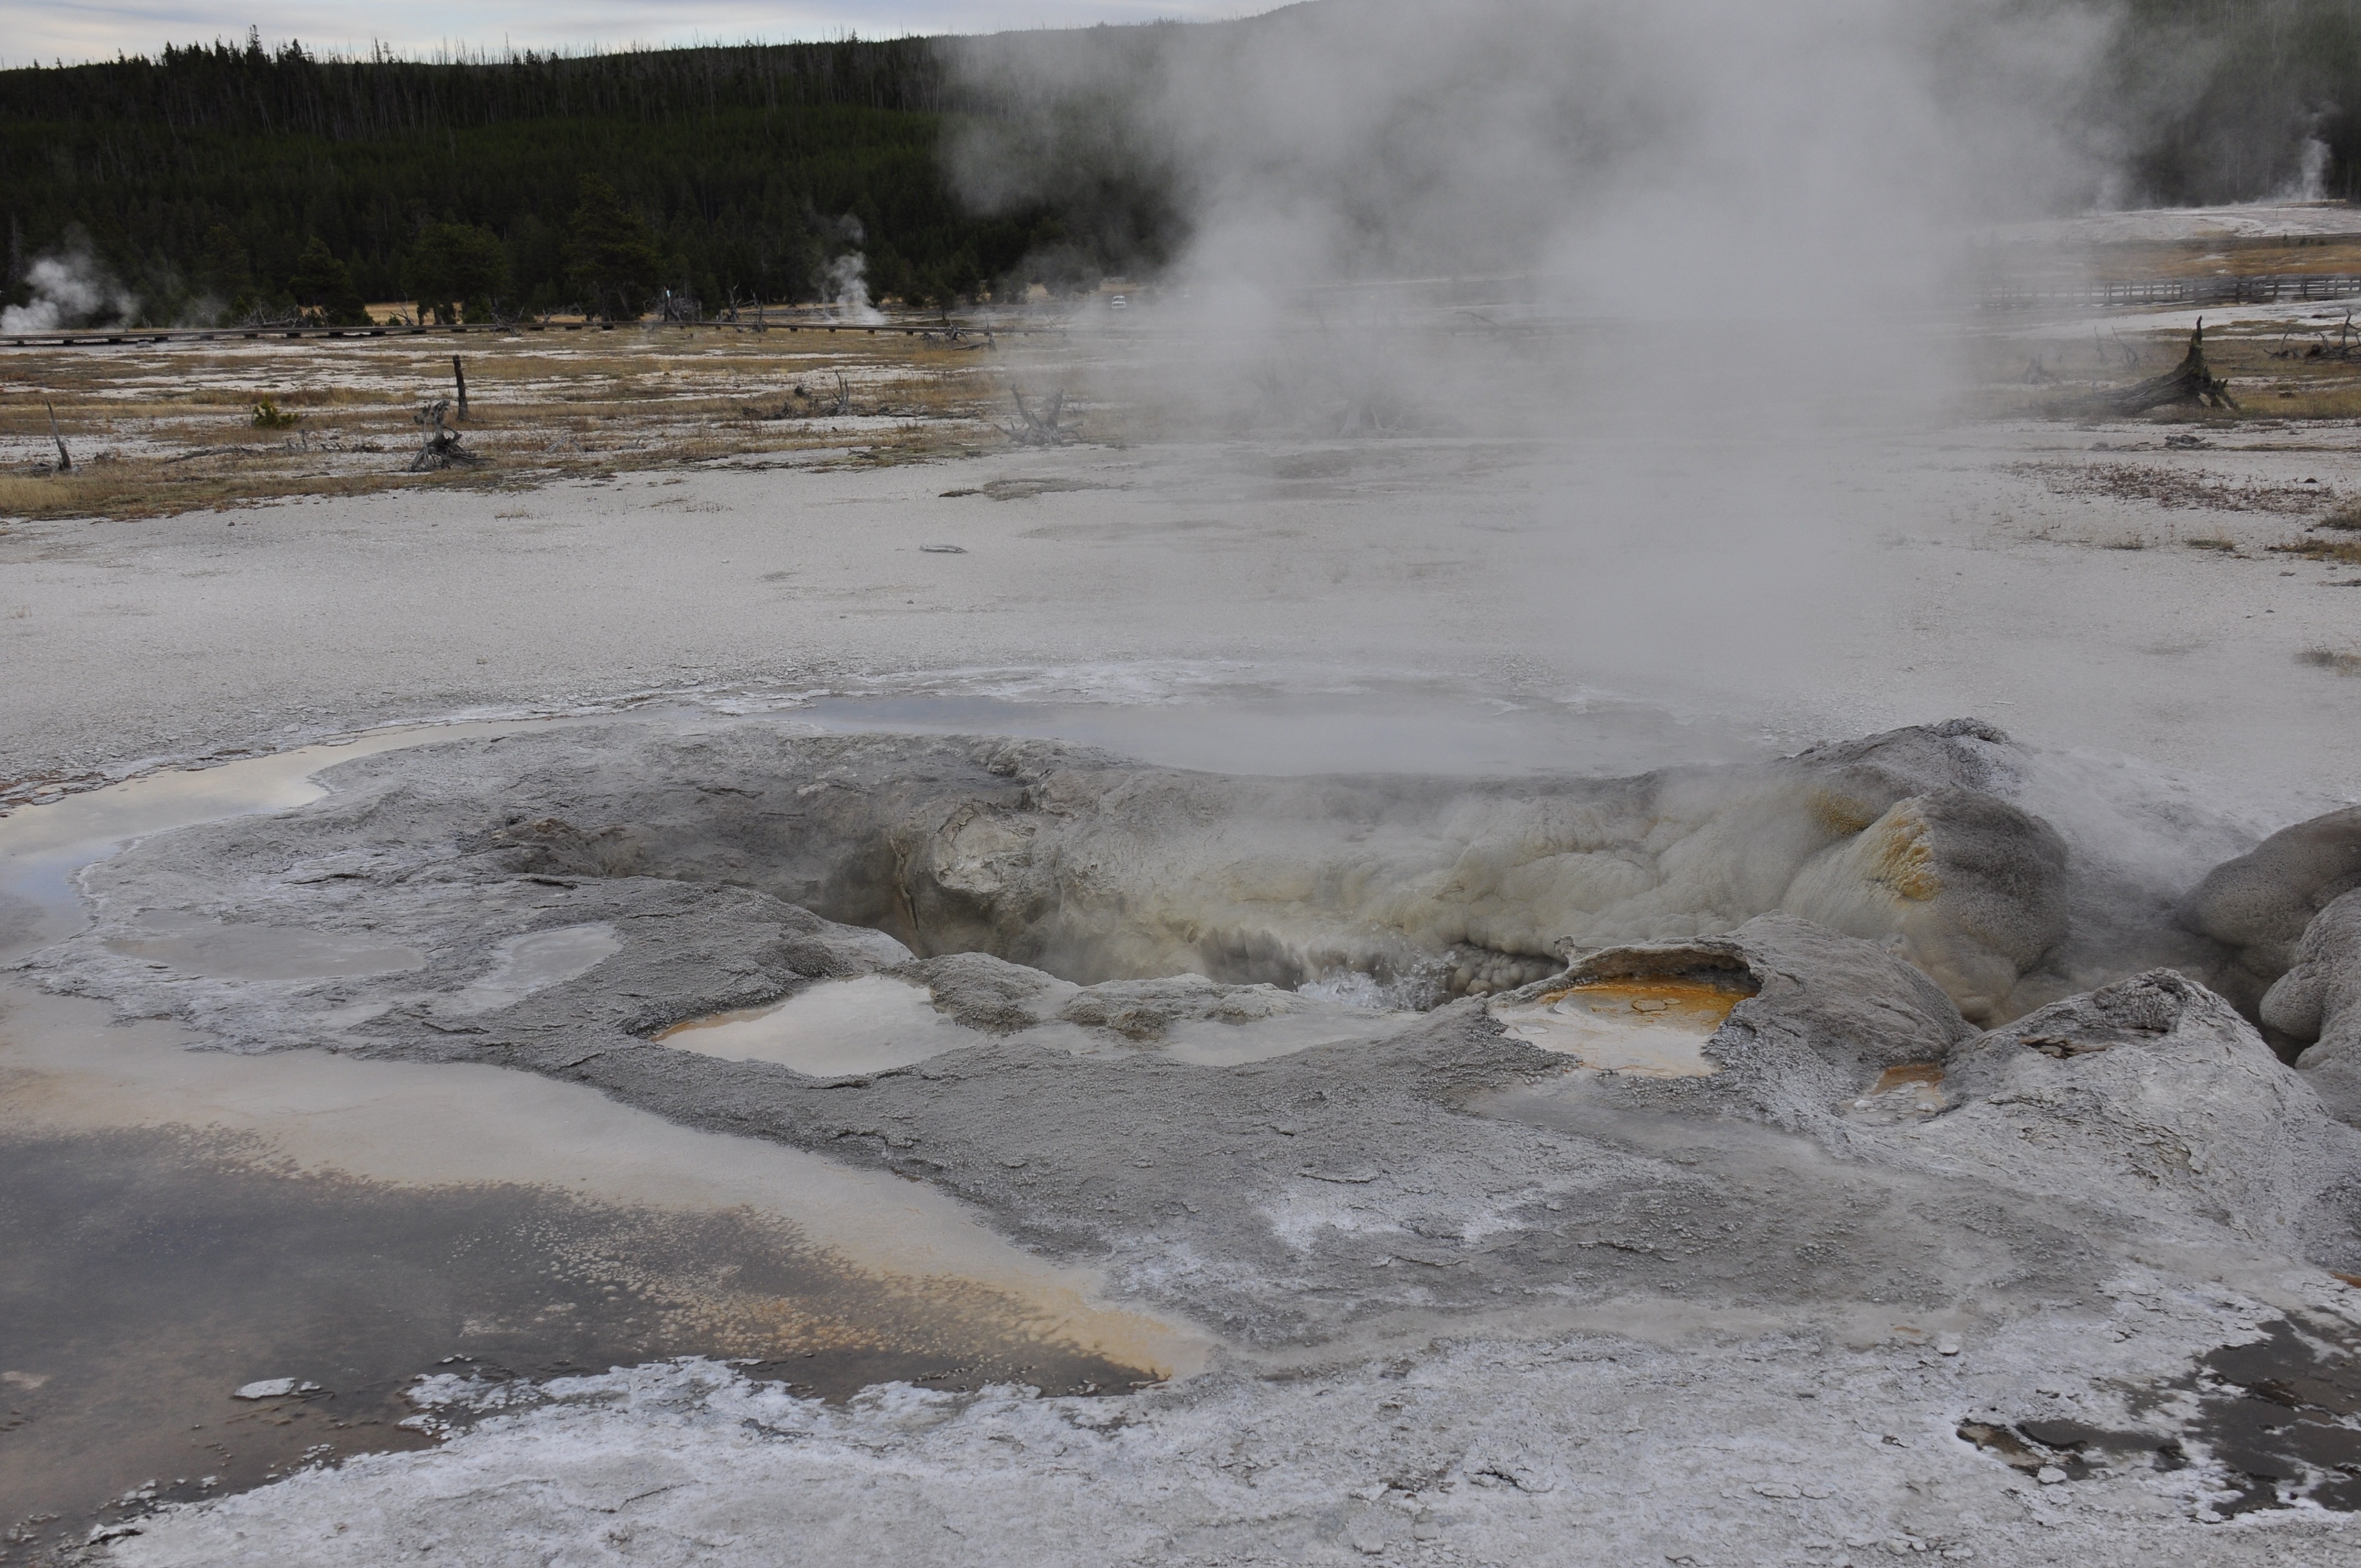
1969, 1158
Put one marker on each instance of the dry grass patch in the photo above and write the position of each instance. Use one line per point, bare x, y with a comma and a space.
2346, 551
2138, 260
138, 490
161, 429
2264, 362
2339, 402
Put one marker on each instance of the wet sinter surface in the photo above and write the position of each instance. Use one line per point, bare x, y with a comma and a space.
1314, 1213
154, 1271
180, 1223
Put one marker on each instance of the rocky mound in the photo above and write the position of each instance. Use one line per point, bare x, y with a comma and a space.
1096, 869
2316, 1004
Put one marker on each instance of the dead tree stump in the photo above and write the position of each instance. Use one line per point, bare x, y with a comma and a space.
2191, 381
1039, 430
441, 448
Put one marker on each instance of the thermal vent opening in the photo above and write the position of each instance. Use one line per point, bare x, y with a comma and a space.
950, 894
1380, 892
1639, 1015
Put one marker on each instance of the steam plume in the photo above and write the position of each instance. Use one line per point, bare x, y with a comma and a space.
70, 288
1700, 245
846, 277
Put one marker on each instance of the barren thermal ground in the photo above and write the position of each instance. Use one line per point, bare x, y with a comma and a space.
1270, 998
1537, 783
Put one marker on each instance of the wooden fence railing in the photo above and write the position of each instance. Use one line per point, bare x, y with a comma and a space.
2267, 288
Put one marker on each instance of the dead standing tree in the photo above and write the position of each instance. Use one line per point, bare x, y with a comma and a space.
65, 461
1042, 430
2191, 381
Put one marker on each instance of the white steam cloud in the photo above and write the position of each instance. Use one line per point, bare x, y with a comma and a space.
1703, 247
70, 288
846, 277
1635, 159
2310, 182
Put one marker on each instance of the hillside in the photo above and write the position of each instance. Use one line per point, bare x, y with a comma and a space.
197, 179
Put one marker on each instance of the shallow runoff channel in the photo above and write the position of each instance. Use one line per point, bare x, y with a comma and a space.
223, 1268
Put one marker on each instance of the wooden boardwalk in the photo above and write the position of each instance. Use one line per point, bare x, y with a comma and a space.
98, 337
2261, 289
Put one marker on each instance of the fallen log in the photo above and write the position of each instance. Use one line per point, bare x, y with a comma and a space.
2191, 381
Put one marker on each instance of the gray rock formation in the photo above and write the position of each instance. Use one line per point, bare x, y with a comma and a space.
2317, 1004
1974, 889
2158, 1085
989, 994
1095, 869
2259, 905
992, 994
2151, 1094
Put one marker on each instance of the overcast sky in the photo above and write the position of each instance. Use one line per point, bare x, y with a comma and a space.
43, 30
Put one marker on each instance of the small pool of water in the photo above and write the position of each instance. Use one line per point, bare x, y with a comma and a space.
834, 1029
180, 1224
1649, 1029
1209, 1043
1285, 719
840, 1027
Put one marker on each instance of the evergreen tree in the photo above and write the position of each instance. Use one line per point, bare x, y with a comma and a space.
323, 284
728, 159
454, 265
612, 259
222, 265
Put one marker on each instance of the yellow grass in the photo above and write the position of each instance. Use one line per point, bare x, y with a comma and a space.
2266, 388
161, 429
2212, 258
2346, 551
